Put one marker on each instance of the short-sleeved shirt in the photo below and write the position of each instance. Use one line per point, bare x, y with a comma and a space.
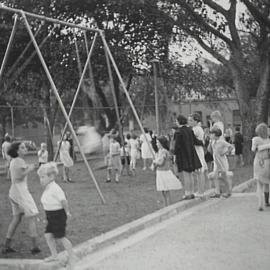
43, 156
114, 148
52, 197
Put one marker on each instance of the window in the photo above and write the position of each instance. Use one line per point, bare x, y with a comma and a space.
236, 118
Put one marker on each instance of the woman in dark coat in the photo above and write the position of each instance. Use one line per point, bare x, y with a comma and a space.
186, 157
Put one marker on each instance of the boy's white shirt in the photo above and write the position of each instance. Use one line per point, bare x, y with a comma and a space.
52, 197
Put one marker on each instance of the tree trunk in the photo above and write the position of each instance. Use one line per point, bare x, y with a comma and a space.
262, 98
248, 116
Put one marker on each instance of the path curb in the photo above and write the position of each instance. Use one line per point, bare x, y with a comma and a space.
106, 239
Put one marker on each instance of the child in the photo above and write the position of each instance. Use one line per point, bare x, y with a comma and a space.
165, 179
42, 154
56, 209
114, 161
134, 152
65, 158
260, 145
125, 158
220, 148
238, 144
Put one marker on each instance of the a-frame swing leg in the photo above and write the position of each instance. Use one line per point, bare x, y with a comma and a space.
9, 45
76, 94
116, 107
125, 91
53, 86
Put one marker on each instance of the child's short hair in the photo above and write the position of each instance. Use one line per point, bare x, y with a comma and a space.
216, 131
164, 142
216, 114
262, 130
50, 167
237, 129
43, 144
128, 136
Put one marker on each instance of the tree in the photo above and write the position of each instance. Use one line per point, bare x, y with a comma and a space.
134, 33
216, 29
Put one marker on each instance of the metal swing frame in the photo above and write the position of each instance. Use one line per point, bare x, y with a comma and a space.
109, 58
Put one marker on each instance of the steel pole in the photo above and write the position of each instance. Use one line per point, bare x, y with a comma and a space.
44, 18
61, 104
126, 92
156, 95
8, 46
76, 94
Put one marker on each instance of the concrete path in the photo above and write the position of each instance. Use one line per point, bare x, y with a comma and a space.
218, 234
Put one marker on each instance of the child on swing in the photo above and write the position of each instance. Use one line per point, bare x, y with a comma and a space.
56, 209
165, 179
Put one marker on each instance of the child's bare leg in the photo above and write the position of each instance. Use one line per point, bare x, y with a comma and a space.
116, 175
201, 183
266, 194
260, 195
52, 246
166, 196
188, 183
64, 173
71, 254
109, 172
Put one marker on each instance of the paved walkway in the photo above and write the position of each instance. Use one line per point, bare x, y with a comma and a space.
218, 234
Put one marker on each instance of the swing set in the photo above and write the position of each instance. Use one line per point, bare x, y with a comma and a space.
23, 15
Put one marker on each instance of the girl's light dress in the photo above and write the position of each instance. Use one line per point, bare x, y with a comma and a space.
65, 157
261, 164
165, 179
20, 197
199, 134
146, 150
114, 161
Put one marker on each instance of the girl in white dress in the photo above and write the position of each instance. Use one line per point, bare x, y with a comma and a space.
261, 165
65, 158
165, 179
194, 122
134, 150
21, 200
220, 148
217, 123
146, 150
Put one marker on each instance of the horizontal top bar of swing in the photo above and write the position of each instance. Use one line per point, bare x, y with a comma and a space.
44, 18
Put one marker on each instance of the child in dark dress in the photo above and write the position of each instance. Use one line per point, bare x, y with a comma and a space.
238, 144
186, 158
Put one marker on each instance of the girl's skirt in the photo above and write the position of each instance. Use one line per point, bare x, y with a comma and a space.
57, 221
166, 180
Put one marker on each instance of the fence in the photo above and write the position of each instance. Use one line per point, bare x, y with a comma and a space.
29, 122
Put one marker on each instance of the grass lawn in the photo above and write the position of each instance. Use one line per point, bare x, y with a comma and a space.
126, 201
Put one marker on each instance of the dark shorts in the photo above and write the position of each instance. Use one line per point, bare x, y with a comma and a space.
123, 160
57, 221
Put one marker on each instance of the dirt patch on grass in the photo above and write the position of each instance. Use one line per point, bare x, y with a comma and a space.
130, 199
